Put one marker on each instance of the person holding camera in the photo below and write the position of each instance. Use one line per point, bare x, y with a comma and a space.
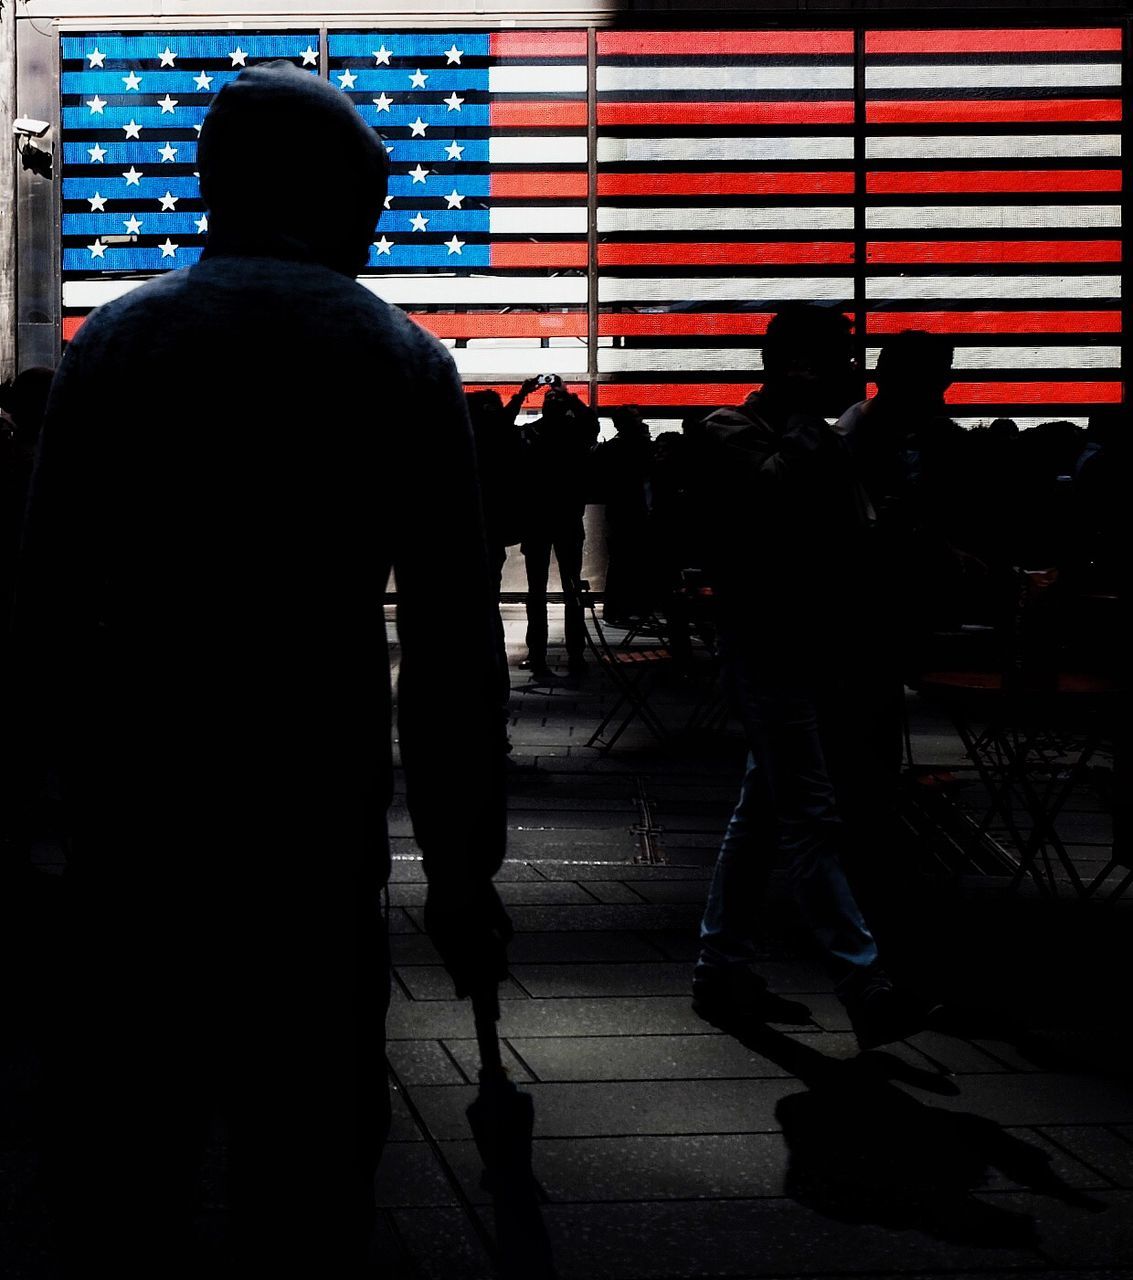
556, 459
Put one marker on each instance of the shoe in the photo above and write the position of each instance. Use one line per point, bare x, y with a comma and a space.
885, 1014
738, 993
576, 667
543, 675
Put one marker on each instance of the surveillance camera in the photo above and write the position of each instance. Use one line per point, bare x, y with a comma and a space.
26, 127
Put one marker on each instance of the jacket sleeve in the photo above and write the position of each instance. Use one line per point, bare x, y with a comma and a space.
450, 719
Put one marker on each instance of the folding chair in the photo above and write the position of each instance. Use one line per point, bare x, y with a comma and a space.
631, 671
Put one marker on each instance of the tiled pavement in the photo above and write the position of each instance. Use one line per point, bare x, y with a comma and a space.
999, 1144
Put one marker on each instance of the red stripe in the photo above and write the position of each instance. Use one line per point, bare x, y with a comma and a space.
724, 44
71, 326
742, 253
724, 113
538, 115
508, 389
995, 321
1017, 40
675, 393
929, 251
478, 324
552, 253
701, 323
989, 180
525, 185
725, 184
971, 111
538, 44
1034, 393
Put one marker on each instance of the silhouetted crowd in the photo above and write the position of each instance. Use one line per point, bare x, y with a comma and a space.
204, 669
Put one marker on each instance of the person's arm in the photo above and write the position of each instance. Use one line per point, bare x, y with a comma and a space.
450, 722
513, 406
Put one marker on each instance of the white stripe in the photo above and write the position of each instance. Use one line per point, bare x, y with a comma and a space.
667, 150
422, 290
985, 288
1024, 424
724, 79
681, 359
538, 220
1003, 75
738, 288
87, 294
612, 218
999, 146
1045, 357
995, 217
503, 291
525, 361
565, 150
537, 79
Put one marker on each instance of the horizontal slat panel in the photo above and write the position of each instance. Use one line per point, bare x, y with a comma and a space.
998, 146
991, 75
985, 287
720, 78
995, 321
710, 150
738, 288
785, 218
988, 216
1046, 357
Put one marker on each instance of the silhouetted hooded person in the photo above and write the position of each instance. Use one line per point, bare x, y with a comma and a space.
234, 457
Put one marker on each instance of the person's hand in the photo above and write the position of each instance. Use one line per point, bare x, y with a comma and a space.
528, 385
471, 930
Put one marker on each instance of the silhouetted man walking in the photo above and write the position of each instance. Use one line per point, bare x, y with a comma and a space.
234, 457
791, 567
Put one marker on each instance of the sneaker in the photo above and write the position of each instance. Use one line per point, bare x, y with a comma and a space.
738, 993
885, 1014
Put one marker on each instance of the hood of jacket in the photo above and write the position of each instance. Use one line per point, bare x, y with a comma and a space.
290, 170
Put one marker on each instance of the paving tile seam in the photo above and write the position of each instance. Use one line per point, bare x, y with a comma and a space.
1041, 1131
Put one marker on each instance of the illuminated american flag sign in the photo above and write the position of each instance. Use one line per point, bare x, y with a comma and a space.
633, 227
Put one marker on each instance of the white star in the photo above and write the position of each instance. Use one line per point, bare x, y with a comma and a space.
382, 102
419, 221
97, 154
454, 198
132, 225
454, 151
310, 57
96, 104
168, 249
454, 55
346, 79
387, 203
97, 58
389, 149
239, 57
168, 153
132, 82
418, 78
382, 56
97, 203
203, 81
169, 202
198, 128
97, 250
133, 177
418, 128
133, 129
383, 245
202, 224
453, 102
418, 174
455, 245
168, 105
167, 56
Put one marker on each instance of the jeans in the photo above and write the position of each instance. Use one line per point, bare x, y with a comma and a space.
786, 802
566, 543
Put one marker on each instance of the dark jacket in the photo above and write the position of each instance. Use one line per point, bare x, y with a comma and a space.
789, 528
234, 457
